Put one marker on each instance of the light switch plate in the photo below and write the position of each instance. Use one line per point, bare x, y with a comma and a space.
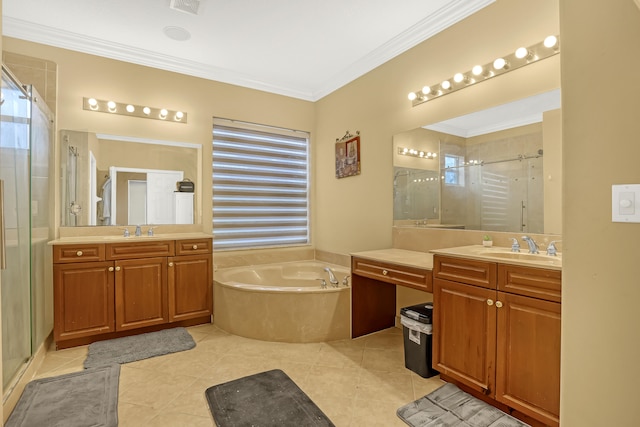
624, 203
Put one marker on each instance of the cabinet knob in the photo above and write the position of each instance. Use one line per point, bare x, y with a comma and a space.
385, 272
498, 304
170, 264
118, 268
110, 268
195, 246
489, 302
79, 253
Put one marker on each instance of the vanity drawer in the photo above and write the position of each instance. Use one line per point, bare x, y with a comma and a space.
532, 282
401, 275
193, 247
78, 253
469, 271
146, 249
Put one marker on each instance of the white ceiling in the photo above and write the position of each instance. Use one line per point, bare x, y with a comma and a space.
506, 116
300, 48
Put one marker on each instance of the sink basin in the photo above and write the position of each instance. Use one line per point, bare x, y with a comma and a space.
502, 254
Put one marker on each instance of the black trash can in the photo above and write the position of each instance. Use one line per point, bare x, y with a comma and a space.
416, 329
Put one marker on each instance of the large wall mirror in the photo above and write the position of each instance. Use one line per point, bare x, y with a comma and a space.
116, 180
490, 171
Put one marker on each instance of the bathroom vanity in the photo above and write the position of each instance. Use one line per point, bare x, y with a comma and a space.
497, 328
374, 277
107, 287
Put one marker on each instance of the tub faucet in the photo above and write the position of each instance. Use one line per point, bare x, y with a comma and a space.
533, 246
323, 283
345, 281
332, 278
515, 246
551, 249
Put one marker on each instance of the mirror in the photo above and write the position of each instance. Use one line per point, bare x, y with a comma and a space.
115, 180
489, 172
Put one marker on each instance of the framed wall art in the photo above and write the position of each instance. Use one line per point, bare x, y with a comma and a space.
348, 155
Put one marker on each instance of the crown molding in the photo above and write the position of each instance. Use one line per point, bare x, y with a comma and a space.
426, 28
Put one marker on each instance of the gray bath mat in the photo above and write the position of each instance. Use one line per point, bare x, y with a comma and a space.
268, 399
79, 399
450, 406
138, 347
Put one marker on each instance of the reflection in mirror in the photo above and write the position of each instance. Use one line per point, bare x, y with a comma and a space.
113, 180
490, 170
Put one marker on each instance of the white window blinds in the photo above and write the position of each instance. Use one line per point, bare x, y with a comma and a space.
260, 186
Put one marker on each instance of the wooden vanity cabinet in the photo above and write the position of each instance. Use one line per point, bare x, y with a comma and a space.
190, 280
500, 337
134, 287
373, 292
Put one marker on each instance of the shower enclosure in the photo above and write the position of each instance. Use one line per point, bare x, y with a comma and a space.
25, 137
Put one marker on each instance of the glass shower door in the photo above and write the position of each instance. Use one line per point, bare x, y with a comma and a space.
15, 275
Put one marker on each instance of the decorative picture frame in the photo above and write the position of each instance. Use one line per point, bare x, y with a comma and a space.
348, 155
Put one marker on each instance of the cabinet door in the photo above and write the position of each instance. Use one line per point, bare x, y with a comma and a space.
528, 356
84, 301
190, 287
141, 293
464, 333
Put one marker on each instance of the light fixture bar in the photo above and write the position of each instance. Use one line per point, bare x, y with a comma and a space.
522, 56
416, 153
112, 107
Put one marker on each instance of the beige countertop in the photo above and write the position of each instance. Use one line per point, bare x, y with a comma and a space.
400, 257
503, 255
132, 238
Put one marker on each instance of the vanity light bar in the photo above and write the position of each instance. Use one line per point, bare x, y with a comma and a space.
416, 153
522, 56
112, 107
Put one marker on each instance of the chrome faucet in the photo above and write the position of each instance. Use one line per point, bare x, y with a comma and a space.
345, 281
533, 246
323, 283
332, 278
138, 231
515, 246
551, 249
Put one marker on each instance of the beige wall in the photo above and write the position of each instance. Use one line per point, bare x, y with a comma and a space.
355, 213
81, 75
601, 274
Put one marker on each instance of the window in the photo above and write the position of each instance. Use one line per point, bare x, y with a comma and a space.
452, 168
260, 186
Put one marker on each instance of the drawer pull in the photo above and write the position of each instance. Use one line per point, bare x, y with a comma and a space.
499, 304
79, 253
110, 268
118, 268
385, 272
170, 264
195, 247
489, 302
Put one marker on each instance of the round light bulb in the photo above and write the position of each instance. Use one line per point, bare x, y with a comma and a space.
445, 84
522, 52
131, 108
412, 96
458, 77
477, 70
179, 115
422, 154
146, 110
93, 103
163, 113
550, 41
499, 63
426, 90
404, 150
112, 106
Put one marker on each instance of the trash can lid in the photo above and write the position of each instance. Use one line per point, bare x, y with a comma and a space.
421, 312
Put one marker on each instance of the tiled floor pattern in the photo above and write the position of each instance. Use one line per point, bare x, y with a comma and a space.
360, 382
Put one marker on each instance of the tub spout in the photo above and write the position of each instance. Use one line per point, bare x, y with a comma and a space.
332, 277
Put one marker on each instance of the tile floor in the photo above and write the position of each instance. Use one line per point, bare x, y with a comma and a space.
360, 382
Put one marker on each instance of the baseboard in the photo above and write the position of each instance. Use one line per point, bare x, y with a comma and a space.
12, 396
